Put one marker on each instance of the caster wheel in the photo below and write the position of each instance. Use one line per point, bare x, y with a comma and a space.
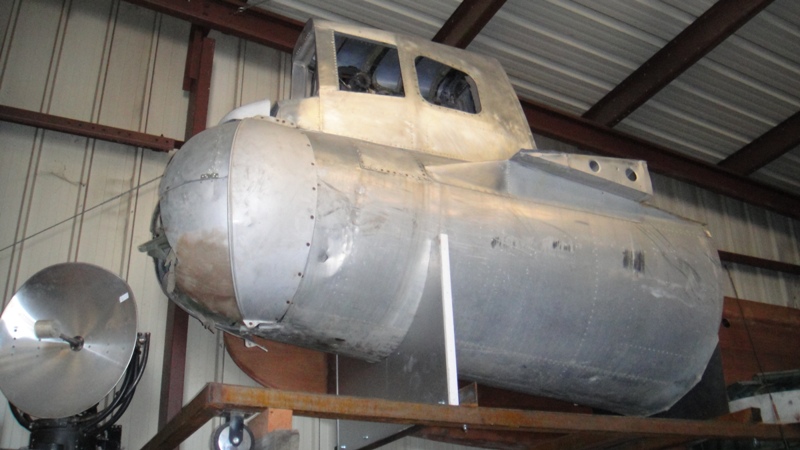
222, 439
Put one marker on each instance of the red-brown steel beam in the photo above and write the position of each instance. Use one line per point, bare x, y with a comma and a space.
191, 71
467, 21
88, 129
609, 142
694, 42
766, 148
197, 80
173, 366
232, 18
761, 263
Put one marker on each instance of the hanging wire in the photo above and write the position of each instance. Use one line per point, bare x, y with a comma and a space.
136, 188
755, 355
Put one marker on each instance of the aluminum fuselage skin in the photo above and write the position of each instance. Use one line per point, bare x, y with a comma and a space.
559, 288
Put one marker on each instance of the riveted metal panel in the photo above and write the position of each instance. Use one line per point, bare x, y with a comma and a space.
272, 176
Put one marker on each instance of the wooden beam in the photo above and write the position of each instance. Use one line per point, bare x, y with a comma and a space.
609, 142
216, 398
270, 420
703, 35
766, 148
467, 21
301, 369
754, 337
587, 441
88, 129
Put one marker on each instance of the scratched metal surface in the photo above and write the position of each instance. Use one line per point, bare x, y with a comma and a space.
611, 304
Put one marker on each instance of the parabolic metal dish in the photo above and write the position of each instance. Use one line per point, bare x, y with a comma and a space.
45, 375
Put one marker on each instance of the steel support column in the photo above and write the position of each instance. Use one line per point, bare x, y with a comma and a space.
197, 80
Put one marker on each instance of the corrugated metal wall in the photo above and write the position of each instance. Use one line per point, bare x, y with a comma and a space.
66, 198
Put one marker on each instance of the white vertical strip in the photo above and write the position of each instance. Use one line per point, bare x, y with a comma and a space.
449, 323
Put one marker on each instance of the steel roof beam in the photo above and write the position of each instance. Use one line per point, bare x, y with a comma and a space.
232, 18
766, 148
467, 21
609, 142
255, 25
693, 43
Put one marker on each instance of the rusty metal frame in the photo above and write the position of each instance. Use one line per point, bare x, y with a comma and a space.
694, 42
216, 398
761, 263
199, 63
88, 129
766, 148
467, 21
232, 18
197, 80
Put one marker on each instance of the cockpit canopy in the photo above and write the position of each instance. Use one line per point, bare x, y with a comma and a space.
405, 92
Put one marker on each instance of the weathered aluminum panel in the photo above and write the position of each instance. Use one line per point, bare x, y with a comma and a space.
194, 202
421, 370
265, 183
592, 337
374, 118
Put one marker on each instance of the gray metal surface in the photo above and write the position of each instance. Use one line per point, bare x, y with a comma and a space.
560, 288
265, 184
418, 371
194, 214
44, 376
563, 284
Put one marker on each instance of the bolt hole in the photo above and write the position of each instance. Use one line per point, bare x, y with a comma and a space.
594, 165
726, 323
631, 174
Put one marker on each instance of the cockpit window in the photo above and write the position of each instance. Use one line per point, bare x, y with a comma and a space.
365, 66
446, 86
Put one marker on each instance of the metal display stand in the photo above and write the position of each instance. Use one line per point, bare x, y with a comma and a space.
216, 399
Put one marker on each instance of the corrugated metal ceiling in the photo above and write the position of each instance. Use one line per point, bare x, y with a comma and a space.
569, 53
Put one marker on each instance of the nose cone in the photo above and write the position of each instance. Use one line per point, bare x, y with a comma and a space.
194, 214
238, 203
